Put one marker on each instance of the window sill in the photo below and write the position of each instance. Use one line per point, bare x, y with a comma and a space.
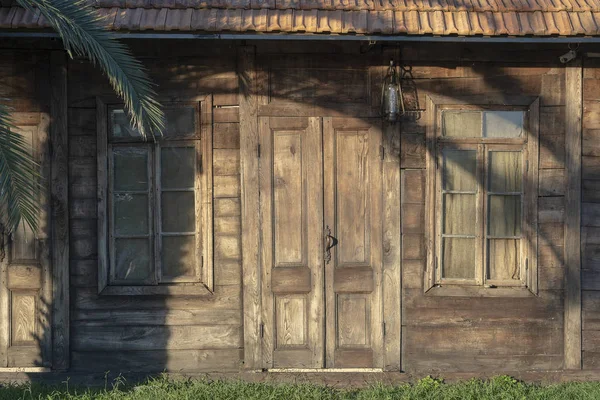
198, 289
478, 291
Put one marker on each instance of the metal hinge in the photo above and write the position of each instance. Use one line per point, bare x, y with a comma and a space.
382, 152
527, 165
258, 151
262, 330
384, 328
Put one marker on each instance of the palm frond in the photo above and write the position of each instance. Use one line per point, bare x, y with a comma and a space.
84, 34
19, 177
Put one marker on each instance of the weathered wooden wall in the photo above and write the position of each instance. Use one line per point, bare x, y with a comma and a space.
437, 333
156, 333
590, 235
495, 334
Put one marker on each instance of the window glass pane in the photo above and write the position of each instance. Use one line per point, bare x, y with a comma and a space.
459, 170
132, 259
459, 211
505, 216
178, 167
130, 168
121, 126
503, 257
178, 256
181, 121
178, 212
131, 214
505, 173
503, 124
461, 124
458, 258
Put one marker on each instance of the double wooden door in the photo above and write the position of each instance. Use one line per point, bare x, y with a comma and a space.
321, 244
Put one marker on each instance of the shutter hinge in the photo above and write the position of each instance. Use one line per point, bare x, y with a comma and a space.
262, 330
258, 151
382, 152
527, 165
201, 164
384, 328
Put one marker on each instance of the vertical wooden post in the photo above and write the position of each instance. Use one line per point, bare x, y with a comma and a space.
59, 140
392, 264
250, 205
572, 325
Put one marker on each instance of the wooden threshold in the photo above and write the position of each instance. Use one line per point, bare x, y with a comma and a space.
322, 370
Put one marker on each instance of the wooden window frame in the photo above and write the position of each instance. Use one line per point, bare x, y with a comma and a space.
529, 144
203, 283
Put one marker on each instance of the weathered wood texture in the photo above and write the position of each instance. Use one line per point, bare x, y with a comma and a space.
25, 258
573, 126
487, 333
154, 333
590, 207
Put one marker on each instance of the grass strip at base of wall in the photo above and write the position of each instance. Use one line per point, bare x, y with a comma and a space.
501, 388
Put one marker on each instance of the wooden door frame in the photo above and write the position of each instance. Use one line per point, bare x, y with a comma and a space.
253, 93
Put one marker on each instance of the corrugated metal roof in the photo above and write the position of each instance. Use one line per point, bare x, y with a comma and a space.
389, 17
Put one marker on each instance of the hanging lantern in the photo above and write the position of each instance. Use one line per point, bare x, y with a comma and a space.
392, 104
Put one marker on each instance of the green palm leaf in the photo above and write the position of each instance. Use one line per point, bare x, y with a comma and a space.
84, 34
19, 177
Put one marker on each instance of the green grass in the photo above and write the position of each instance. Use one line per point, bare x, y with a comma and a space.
502, 387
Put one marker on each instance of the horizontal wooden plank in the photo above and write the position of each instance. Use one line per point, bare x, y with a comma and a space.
83, 318
226, 186
590, 167
226, 162
84, 273
551, 182
291, 280
590, 145
552, 151
413, 247
526, 339
226, 136
478, 363
228, 272
227, 247
412, 274
413, 186
227, 207
226, 114
413, 218
590, 214
422, 309
353, 280
552, 121
412, 150
24, 277
119, 338
227, 226
158, 360
552, 234
551, 210
590, 191
550, 256
83, 208
225, 297
83, 248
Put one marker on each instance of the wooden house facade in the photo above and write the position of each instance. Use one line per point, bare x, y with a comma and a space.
281, 223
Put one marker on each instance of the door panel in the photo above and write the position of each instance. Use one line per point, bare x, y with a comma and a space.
353, 201
291, 251
25, 272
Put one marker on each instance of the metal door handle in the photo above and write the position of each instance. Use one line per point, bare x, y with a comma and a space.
330, 241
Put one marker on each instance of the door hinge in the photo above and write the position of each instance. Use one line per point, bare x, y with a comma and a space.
527, 165
258, 151
382, 152
262, 330
384, 332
